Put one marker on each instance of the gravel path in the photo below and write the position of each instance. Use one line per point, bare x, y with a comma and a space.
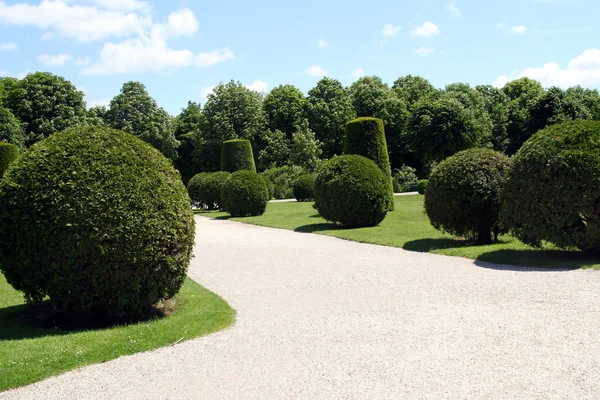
323, 318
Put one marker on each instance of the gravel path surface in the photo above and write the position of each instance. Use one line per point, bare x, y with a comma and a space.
323, 318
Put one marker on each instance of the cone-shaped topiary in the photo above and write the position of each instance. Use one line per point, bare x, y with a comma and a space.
462, 195
304, 188
194, 187
365, 136
104, 218
245, 193
8, 154
553, 189
236, 155
210, 189
351, 190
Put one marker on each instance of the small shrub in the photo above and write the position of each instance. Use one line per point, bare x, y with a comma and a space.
351, 190
8, 154
422, 186
210, 189
105, 219
304, 188
405, 179
462, 197
236, 155
283, 179
552, 192
270, 186
245, 193
194, 187
365, 137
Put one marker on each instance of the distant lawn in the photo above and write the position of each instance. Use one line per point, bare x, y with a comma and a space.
30, 353
408, 227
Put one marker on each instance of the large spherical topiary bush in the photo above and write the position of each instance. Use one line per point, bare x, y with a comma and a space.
8, 154
304, 188
553, 189
462, 197
365, 136
245, 193
236, 155
210, 189
194, 187
96, 220
351, 190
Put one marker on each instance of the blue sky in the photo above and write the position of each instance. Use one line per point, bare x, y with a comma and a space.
181, 49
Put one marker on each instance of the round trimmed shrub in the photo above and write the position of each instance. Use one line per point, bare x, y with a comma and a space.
245, 193
8, 154
105, 221
422, 186
462, 197
236, 155
365, 136
304, 188
351, 190
194, 187
553, 190
210, 189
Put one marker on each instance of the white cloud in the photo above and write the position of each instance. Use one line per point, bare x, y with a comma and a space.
390, 30
427, 29
518, 29
54, 61
500, 82
454, 10
582, 70
47, 36
316, 70
83, 61
322, 43
258, 86
182, 23
97, 102
424, 52
213, 57
205, 91
358, 72
8, 46
123, 5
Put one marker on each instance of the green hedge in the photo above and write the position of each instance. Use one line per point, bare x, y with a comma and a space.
351, 190
194, 187
236, 155
304, 188
117, 232
210, 189
245, 193
365, 137
422, 186
8, 154
462, 197
283, 179
553, 190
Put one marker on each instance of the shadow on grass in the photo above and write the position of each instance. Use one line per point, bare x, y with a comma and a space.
536, 260
427, 245
317, 228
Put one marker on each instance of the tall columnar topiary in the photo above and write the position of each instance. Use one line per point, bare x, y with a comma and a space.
105, 219
462, 197
236, 155
245, 193
365, 137
210, 189
553, 189
351, 190
8, 154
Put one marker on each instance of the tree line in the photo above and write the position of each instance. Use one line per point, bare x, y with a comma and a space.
423, 124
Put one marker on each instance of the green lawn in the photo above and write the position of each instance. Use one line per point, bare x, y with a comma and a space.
29, 354
409, 228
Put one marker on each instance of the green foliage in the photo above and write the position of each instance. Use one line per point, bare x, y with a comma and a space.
236, 155
8, 154
134, 111
10, 129
283, 179
276, 152
365, 136
194, 187
45, 104
304, 187
474, 104
496, 103
284, 109
405, 179
245, 193
270, 186
462, 195
556, 106
353, 191
422, 186
305, 148
411, 89
328, 108
552, 191
210, 190
118, 230
96, 116
187, 128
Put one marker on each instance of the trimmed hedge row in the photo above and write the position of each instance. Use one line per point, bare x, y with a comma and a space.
304, 188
